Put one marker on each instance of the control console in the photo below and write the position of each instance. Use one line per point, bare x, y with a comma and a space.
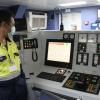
83, 82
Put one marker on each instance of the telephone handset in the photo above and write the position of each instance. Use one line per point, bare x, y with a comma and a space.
34, 52
35, 43
31, 44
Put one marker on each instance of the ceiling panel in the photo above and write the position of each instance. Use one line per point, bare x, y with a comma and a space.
46, 4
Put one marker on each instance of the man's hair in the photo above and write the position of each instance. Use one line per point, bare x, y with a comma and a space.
5, 16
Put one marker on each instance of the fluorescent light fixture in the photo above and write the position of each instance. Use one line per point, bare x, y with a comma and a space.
98, 0
74, 3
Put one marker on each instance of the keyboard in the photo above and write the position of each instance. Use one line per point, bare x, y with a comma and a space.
52, 77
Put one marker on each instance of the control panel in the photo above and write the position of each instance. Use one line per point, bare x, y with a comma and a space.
84, 79
53, 77
83, 82
84, 74
88, 44
28, 43
82, 54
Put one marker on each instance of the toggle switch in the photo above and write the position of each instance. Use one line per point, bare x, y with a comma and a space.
79, 58
85, 58
95, 60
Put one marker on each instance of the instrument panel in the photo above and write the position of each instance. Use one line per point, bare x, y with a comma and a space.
83, 82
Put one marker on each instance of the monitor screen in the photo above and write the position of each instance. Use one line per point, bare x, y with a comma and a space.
59, 53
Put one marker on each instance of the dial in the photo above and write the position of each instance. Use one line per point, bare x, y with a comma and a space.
72, 36
65, 36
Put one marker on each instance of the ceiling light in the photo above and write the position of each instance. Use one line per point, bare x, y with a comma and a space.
98, 0
73, 3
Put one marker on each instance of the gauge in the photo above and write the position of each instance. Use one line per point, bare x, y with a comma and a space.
92, 38
82, 37
65, 36
72, 36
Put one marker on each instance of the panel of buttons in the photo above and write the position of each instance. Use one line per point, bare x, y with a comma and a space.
82, 47
28, 44
83, 82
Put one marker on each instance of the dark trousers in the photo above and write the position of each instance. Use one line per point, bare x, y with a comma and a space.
15, 89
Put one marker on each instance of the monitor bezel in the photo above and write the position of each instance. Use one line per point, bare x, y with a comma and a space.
57, 63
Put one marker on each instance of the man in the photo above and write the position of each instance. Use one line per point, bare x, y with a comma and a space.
12, 82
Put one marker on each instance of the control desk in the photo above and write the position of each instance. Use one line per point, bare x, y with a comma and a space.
68, 63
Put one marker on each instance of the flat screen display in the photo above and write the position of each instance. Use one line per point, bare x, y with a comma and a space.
59, 53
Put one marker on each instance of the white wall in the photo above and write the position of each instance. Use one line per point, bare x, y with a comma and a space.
70, 20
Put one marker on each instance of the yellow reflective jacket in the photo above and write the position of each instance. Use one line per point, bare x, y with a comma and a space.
9, 61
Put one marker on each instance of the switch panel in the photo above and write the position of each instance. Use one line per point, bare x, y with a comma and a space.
79, 58
85, 58
83, 82
82, 58
28, 44
82, 47
95, 60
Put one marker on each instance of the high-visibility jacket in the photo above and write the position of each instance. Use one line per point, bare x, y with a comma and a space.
9, 61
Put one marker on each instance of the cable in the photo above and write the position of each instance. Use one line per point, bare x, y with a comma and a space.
34, 55
60, 12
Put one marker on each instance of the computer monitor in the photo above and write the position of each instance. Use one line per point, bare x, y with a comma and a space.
59, 53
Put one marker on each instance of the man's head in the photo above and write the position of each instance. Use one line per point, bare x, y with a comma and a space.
6, 22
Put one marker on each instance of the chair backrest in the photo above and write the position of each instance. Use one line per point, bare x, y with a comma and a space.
45, 95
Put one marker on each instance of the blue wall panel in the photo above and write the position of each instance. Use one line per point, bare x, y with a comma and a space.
53, 21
